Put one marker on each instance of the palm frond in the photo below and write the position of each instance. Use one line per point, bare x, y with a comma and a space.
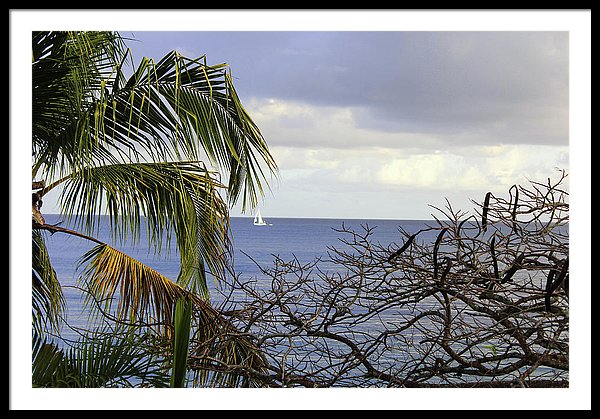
226, 358
179, 108
173, 109
47, 297
181, 341
116, 358
145, 296
178, 197
48, 367
68, 71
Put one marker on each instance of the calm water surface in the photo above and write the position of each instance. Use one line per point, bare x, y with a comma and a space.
302, 238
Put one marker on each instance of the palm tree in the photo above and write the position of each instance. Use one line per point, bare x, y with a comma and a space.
169, 146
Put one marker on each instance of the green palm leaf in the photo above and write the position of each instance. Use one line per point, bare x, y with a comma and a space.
133, 146
145, 296
106, 359
181, 341
174, 109
179, 197
47, 297
68, 70
185, 109
47, 363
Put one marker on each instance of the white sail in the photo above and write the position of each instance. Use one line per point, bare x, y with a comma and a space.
258, 220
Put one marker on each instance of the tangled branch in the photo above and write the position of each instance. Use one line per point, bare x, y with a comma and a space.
468, 301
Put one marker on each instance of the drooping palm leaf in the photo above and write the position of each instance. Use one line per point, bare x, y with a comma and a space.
106, 137
179, 197
143, 294
146, 296
173, 109
186, 109
47, 297
220, 359
68, 71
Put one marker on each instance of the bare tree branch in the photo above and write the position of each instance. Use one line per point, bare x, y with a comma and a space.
458, 304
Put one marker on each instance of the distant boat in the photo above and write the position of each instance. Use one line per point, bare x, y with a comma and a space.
258, 220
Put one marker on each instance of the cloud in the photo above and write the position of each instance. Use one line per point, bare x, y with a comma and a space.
478, 87
463, 169
510, 87
359, 119
323, 153
416, 171
397, 184
298, 124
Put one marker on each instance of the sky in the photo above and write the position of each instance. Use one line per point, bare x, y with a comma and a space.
381, 124
369, 115
390, 123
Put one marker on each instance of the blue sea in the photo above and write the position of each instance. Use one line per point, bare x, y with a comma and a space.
304, 239
254, 247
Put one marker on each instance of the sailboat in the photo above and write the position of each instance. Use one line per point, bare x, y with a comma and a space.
258, 220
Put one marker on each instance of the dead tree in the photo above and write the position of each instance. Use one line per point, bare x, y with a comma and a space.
476, 300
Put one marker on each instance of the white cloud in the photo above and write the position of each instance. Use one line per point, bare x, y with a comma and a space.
293, 123
322, 158
297, 124
384, 169
331, 167
415, 171
326, 143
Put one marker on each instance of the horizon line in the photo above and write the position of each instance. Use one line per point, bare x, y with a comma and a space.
299, 218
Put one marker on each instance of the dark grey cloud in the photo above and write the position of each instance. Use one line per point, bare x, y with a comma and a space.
479, 87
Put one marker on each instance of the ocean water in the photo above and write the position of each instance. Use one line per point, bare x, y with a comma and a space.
254, 246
